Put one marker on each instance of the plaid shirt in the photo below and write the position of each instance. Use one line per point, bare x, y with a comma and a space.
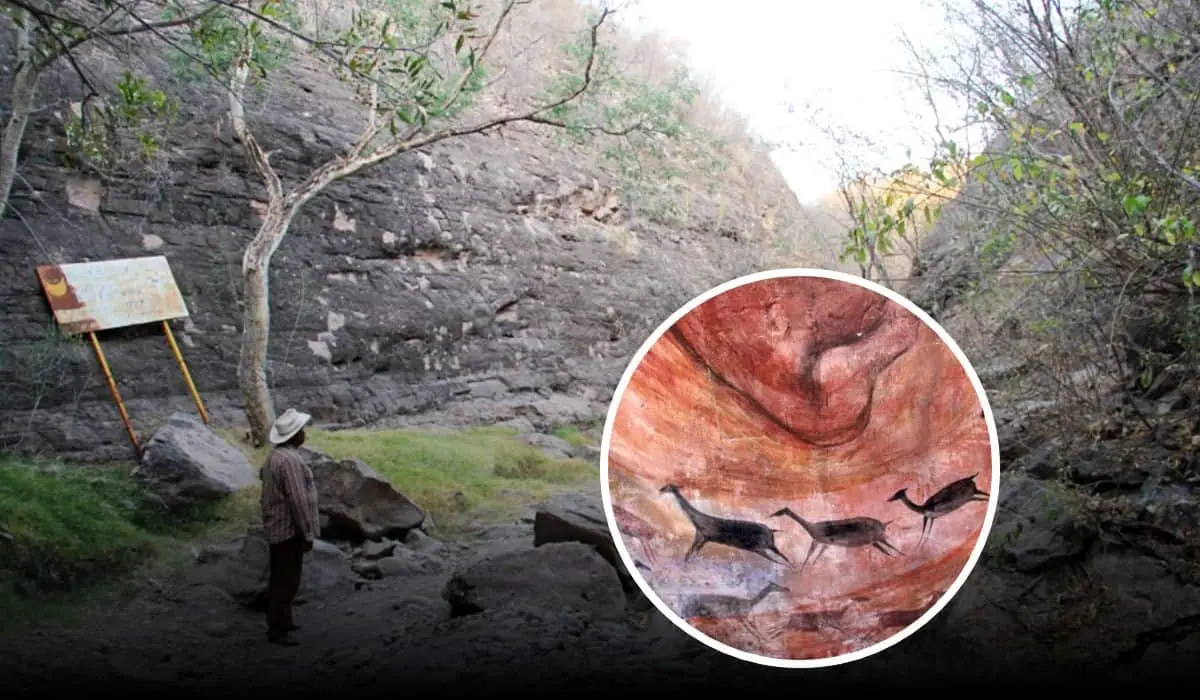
289, 497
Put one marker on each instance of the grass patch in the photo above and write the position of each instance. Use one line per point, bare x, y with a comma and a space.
577, 435
461, 478
76, 537
71, 534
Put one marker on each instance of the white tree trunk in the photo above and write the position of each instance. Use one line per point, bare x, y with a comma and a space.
24, 88
252, 365
256, 321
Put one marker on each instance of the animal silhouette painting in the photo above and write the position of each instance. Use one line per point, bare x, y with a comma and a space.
639, 531
727, 607
848, 532
948, 499
747, 536
757, 438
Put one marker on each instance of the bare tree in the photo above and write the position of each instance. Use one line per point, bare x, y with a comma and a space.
417, 67
1078, 215
47, 32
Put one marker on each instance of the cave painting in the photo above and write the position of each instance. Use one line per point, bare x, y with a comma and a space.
800, 468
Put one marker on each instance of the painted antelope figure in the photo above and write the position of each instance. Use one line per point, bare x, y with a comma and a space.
948, 499
848, 532
739, 534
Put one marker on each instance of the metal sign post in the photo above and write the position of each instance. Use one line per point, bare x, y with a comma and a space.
187, 376
112, 389
95, 296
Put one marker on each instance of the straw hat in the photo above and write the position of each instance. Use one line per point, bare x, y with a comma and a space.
287, 425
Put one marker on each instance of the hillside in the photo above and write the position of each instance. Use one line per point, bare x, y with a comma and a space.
501, 275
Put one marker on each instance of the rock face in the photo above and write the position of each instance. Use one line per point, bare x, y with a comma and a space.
578, 517
424, 291
816, 396
358, 503
185, 462
564, 576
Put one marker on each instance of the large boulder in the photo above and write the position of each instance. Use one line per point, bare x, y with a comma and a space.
1043, 524
578, 517
563, 576
185, 462
241, 567
358, 503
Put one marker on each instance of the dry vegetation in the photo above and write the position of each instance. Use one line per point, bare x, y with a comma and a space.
1063, 257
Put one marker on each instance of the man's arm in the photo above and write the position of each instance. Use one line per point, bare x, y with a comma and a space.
295, 491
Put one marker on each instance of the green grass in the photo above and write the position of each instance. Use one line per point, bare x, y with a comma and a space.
577, 435
71, 534
74, 537
460, 478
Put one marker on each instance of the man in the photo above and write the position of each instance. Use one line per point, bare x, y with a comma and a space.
290, 520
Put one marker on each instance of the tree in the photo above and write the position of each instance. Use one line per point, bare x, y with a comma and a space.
49, 31
1080, 209
418, 68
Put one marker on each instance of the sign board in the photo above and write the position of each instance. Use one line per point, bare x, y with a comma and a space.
96, 296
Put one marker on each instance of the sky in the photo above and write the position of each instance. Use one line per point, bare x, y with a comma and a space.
840, 55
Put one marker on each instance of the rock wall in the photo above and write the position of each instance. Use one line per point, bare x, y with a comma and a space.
483, 280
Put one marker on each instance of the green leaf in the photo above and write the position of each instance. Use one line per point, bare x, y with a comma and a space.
1076, 128
1196, 278
1007, 98
462, 39
1135, 204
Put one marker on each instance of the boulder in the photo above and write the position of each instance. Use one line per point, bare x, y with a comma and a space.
588, 453
402, 561
549, 445
578, 517
406, 562
359, 503
186, 462
240, 569
563, 576
378, 550
1042, 525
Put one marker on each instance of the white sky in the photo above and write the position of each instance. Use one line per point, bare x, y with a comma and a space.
836, 54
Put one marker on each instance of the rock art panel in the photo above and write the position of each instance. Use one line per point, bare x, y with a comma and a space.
799, 468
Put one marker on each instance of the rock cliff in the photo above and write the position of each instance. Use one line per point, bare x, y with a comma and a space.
486, 279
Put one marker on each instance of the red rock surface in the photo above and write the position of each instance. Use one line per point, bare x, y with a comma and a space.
768, 396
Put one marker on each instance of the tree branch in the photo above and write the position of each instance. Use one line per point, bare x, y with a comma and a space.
237, 115
91, 31
357, 160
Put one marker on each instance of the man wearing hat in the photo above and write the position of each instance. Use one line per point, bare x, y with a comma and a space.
290, 520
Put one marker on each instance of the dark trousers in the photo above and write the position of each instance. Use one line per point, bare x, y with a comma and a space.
287, 564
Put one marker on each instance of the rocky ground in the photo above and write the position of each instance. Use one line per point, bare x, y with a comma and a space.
494, 608
491, 607
1088, 571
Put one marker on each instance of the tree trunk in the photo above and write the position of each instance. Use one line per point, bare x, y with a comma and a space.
24, 88
252, 367
256, 321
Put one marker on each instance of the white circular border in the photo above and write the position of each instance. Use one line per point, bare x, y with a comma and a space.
860, 654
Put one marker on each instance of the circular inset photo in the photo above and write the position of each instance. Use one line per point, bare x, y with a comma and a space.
800, 468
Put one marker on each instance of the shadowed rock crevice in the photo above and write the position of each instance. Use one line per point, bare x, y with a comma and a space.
815, 368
